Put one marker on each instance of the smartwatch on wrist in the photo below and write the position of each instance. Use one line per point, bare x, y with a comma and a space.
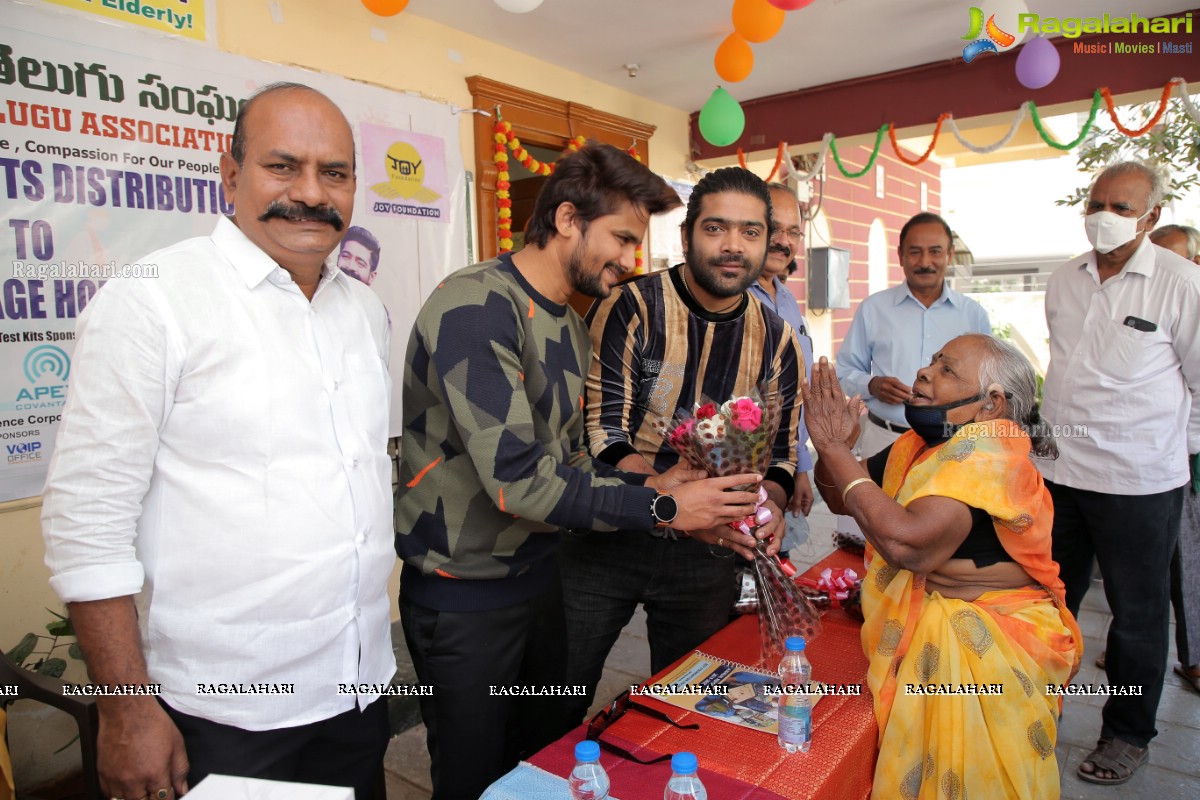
664, 509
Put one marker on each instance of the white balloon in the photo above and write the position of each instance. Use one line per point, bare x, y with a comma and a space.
518, 6
1007, 13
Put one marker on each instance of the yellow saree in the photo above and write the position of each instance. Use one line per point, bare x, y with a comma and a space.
960, 687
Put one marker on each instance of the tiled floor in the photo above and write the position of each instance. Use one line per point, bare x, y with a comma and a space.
1172, 774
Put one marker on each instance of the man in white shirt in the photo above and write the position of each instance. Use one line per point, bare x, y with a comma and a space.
217, 514
1120, 395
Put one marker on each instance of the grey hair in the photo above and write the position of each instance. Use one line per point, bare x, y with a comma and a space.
1005, 365
1193, 236
1158, 178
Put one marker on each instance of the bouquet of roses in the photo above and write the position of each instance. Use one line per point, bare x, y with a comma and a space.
727, 439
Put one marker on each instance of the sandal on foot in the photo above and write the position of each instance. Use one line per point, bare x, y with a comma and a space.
1100, 659
1113, 755
1189, 676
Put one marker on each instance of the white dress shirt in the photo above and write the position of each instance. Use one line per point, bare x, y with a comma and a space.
1133, 390
222, 455
894, 334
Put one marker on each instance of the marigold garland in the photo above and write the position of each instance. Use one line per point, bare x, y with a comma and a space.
504, 139
500, 133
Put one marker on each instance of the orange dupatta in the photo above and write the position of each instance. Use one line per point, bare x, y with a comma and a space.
1012, 636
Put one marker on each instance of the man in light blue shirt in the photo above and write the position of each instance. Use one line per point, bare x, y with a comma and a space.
898, 331
771, 291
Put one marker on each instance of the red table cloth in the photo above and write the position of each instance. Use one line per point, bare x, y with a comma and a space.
736, 762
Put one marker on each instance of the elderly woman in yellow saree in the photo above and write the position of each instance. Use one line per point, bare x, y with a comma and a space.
966, 628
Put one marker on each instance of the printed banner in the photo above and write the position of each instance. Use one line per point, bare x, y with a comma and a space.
110, 151
405, 173
181, 17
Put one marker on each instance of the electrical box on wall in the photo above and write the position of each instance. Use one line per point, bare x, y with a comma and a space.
828, 278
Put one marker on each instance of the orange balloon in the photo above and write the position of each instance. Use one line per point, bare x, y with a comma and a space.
385, 8
756, 20
734, 59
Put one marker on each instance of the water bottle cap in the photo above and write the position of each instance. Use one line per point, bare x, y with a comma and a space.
795, 644
587, 751
684, 763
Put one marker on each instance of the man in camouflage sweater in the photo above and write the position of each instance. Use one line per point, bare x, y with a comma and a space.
493, 467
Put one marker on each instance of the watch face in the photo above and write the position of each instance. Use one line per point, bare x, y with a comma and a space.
665, 508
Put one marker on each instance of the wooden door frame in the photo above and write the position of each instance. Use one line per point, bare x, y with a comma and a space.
538, 119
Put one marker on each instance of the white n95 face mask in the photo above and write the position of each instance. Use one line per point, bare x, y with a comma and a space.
1108, 231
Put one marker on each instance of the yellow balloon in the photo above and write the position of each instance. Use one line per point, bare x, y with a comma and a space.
385, 8
734, 60
756, 20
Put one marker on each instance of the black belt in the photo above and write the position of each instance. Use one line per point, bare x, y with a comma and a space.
883, 423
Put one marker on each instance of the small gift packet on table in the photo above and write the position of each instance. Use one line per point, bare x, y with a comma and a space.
835, 587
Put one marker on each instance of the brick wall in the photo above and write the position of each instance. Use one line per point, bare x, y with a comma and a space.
851, 205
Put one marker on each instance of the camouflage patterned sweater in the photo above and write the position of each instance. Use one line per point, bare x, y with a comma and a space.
492, 461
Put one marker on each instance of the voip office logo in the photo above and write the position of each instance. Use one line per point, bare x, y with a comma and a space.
47, 360
995, 41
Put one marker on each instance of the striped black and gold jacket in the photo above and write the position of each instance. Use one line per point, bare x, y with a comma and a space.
656, 350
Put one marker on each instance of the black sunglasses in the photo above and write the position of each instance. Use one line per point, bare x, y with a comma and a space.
614, 711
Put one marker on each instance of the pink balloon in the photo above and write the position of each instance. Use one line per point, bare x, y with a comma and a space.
1037, 63
790, 5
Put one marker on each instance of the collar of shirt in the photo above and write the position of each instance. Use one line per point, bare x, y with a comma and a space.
1141, 262
253, 265
948, 295
789, 308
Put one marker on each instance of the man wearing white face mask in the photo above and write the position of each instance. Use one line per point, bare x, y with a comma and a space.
1123, 380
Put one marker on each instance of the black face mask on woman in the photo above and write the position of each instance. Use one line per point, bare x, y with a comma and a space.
930, 421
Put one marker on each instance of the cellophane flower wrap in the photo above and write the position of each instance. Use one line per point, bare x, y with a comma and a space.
731, 438
783, 609
727, 438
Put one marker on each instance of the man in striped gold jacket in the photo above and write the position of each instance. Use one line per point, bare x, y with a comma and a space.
661, 343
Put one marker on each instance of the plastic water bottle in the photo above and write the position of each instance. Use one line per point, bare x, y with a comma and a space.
685, 783
795, 707
588, 780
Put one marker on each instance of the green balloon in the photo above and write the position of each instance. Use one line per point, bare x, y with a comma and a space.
722, 119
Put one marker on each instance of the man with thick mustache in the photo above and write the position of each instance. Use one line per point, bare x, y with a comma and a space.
660, 344
772, 292
897, 331
218, 507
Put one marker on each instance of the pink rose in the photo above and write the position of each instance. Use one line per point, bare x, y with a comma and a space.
682, 434
745, 414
